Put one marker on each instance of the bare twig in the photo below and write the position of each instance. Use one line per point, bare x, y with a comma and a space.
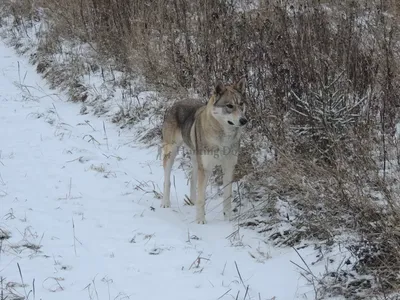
240, 276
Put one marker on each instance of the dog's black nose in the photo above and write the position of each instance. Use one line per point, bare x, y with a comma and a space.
242, 121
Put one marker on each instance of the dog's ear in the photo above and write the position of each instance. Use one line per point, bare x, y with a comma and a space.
241, 85
219, 89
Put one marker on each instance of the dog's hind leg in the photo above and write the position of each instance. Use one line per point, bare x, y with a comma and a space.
169, 153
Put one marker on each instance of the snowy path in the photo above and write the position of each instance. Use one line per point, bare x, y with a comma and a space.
87, 203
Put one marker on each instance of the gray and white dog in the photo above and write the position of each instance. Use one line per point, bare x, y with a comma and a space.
212, 133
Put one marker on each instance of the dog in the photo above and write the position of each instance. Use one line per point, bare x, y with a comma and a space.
212, 133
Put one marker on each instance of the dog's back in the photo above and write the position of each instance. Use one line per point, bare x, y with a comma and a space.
179, 120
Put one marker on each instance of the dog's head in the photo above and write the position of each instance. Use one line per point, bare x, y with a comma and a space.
228, 104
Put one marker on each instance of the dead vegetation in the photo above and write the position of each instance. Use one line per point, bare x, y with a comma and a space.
323, 91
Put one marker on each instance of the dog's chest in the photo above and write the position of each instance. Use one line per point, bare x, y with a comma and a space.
223, 146
215, 141
227, 140
213, 150
231, 138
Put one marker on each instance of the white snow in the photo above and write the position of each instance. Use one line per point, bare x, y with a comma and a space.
89, 200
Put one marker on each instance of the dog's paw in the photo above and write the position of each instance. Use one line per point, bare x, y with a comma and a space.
165, 205
201, 219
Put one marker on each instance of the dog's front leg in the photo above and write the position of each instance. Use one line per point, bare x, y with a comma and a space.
193, 181
203, 176
227, 169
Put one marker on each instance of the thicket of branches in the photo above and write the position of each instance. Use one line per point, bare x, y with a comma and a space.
323, 89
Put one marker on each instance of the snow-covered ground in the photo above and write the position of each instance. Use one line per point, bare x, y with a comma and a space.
80, 200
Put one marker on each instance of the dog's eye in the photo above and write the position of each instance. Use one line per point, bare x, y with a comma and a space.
229, 106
